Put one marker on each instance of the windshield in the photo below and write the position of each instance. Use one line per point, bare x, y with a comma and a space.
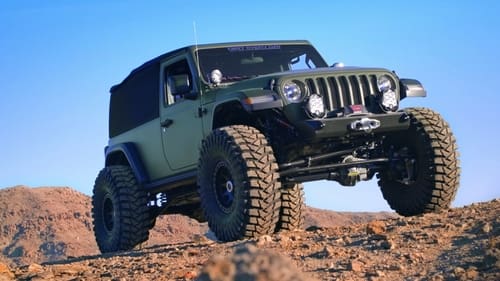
242, 62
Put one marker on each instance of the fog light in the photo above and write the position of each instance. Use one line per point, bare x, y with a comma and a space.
315, 106
389, 101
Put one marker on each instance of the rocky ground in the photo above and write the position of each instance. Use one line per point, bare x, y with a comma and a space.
458, 244
53, 223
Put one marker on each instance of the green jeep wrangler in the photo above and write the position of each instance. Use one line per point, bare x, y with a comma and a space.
227, 133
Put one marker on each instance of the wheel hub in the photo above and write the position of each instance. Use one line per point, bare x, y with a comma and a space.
405, 166
224, 186
108, 214
229, 186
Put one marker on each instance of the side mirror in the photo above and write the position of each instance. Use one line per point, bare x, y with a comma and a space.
179, 84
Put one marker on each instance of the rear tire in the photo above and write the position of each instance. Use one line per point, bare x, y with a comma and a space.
430, 184
292, 207
238, 183
119, 210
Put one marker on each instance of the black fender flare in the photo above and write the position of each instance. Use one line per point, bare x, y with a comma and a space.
118, 153
267, 99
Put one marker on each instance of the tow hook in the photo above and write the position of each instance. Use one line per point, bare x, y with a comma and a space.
365, 124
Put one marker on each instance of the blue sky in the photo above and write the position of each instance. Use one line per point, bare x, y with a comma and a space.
58, 60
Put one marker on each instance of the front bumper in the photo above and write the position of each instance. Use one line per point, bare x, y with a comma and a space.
337, 127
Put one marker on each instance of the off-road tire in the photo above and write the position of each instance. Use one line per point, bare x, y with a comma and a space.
292, 207
437, 176
119, 210
238, 183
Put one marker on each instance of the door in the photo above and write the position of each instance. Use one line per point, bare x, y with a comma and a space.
180, 122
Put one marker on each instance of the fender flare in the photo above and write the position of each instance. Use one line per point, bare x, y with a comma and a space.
128, 150
411, 88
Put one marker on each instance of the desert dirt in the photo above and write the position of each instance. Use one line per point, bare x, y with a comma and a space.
46, 234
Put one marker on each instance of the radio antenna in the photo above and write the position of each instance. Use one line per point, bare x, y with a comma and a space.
195, 35
196, 51
196, 45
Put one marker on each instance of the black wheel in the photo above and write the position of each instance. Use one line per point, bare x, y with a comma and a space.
238, 183
119, 210
292, 207
424, 173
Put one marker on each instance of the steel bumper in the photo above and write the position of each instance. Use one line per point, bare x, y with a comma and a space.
357, 125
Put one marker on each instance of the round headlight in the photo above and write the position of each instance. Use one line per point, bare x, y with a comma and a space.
292, 92
384, 83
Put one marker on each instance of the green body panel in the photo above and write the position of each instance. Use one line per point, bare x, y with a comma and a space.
182, 139
148, 141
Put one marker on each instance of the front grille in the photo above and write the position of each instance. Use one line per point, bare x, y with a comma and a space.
344, 90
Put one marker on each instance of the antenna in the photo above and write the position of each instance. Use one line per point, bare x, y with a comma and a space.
196, 46
195, 35
196, 51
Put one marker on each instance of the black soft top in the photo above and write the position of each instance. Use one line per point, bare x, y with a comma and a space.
156, 61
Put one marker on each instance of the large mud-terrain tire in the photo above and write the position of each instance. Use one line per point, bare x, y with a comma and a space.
292, 207
238, 183
119, 210
435, 173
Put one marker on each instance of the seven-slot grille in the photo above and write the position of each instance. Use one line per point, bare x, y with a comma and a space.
343, 90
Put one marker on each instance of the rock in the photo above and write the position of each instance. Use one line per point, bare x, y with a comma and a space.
396, 267
326, 252
387, 244
68, 269
190, 275
200, 238
106, 274
471, 273
263, 240
314, 228
355, 266
494, 242
401, 222
35, 268
486, 228
347, 240
375, 273
250, 263
378, 237
5, 273
375, 227
218, 268
43, 276
458, 271
437, 277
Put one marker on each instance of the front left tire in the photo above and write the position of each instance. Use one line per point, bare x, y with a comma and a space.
238, 183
